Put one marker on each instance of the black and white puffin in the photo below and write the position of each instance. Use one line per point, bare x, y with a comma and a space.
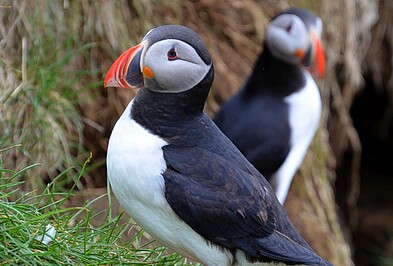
274, 117
179, 177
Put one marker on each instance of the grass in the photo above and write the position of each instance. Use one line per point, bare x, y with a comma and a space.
43, 87
24, 223
52, 56
52, 52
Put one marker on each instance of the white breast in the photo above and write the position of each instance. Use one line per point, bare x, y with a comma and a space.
135, 164
304, 114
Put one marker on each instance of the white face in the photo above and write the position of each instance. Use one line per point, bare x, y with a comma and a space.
286, 37
176, 66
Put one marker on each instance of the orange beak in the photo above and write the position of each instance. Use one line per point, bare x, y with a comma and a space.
125, 71
318, 65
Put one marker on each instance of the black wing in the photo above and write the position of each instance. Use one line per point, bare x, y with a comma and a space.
221, 209
213, 188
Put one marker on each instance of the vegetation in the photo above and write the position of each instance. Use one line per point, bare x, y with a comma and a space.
54, 112
39, 100
25, 223
47, 72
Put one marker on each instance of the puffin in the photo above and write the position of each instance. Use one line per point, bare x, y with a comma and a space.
275, 115
177, 175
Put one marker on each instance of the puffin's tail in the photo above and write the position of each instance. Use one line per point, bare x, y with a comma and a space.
278, 247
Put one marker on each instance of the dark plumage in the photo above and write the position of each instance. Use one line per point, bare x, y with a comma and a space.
256, 119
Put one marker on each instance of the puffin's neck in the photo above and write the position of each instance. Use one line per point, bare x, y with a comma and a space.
164, 113
272, 75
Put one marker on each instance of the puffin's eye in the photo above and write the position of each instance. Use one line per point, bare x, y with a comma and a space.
289, 28
172, 55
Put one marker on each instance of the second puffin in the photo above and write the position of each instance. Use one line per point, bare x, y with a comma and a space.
273, 118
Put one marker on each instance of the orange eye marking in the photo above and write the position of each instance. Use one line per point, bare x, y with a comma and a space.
147, 72
299, 53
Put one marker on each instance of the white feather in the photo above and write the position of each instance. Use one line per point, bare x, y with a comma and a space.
304, 114
135, 165
48, 236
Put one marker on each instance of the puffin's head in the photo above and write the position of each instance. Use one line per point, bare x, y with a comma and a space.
294, 36
169, 59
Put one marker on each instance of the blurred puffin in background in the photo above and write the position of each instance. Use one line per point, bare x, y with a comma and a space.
275, 115
178, 176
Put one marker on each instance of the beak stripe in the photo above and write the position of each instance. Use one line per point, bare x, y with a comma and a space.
117, 74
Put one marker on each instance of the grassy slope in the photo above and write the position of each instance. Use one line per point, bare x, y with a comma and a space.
23, 223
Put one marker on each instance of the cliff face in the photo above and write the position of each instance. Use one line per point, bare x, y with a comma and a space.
358, 42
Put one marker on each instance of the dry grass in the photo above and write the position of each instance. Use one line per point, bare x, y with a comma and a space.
54, 55
38, 101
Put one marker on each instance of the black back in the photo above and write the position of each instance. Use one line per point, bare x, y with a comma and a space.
256, 120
